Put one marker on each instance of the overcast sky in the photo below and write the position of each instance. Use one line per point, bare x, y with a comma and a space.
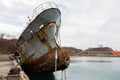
85, 23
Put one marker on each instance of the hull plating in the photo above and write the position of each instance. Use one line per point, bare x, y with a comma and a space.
39, 41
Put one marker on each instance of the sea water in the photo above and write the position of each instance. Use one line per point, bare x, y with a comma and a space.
86, 68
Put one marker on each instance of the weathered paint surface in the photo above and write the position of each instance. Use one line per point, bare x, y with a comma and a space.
46, 62
39, 41
39, 37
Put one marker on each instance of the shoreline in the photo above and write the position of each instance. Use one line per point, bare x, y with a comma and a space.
95, 55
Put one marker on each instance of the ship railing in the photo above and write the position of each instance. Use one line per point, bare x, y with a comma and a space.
40, 8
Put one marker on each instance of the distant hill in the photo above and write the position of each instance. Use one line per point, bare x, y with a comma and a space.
98, 51
72, 51
104, 49
7, 46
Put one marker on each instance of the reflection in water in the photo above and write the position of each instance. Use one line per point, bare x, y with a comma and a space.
41, 76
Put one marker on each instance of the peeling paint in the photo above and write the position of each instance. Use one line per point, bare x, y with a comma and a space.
39, 41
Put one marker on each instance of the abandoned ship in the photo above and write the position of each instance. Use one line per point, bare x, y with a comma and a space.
39, 44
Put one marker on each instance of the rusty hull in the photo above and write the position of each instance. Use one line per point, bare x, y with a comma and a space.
38, 43
46, 63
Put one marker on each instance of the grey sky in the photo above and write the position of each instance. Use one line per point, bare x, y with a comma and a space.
85, 23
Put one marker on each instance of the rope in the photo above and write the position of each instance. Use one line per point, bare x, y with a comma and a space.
56, 53
56, 57
63, 75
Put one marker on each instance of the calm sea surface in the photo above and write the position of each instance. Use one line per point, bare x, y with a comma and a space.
86, 68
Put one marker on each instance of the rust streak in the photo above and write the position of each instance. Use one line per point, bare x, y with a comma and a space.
43, 34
